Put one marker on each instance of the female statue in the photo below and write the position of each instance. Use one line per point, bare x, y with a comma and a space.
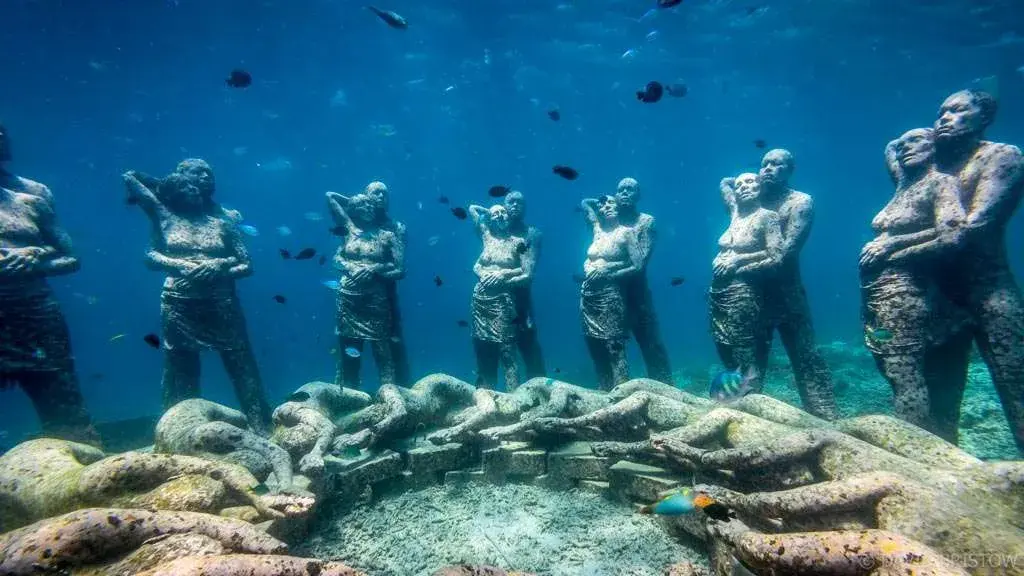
904, 311
501, 269
613, 255
202, 254
371, 258
747, 252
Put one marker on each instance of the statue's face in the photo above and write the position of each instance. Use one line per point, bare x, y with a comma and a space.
515, 205
627, 194
748, 187
959, 116
498, 218
377, 193
197, 175
776, 168
609, 208
916, 148
5, 145
362, 208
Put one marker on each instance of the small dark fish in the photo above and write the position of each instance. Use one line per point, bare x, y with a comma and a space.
260, 489
498, 191
460, 212
677, 281
305, 254
131, 200
152, 339
566, 172
437, 281
338, 231
462, 324
677, 90
554, 114
239, 79
651, 93
558, 370
323, 260
285, 254
390, 18
280, 299
669, 3
759, 143
444, 200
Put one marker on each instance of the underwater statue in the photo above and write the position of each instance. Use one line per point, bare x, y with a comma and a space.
35, 346
370, 258
749, 255
905, 316
203, 254
640, 313
504, 266
785, 300
526, 340
613, 254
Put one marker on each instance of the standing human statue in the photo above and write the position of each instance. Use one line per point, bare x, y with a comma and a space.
501, 269
370, 258
613, 255
35, 346
202, 252
905, 315
640, 313
749, 255
978, 278
785, 300
527, 341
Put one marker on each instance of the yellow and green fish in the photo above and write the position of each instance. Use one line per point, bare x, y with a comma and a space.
685, 501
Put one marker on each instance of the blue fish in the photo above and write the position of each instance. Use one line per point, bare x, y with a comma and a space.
352, 352
730, 385
248, 230
332, 284
685, 501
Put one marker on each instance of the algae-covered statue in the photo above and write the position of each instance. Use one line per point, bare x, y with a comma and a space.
978, 278
905, 314
640, 313
371, 258
203, 255
749, 253
785, 299
526, 339
379, 194
504, 266
613, 255
35, 346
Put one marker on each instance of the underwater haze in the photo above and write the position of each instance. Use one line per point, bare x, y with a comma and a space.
453, 105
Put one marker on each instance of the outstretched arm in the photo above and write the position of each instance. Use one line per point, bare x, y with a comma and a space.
948, 232
395, 270
636, 260
999, 190
57, 256
480, 217
590, 207
646, 236
892, 162
337, 204
728, 189
141, 191
240, 265
796, 231
527, 260
773, 247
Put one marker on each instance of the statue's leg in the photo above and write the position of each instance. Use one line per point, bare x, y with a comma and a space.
858, 492
526, 339
349, 366
644, 323
618, 362
999, 313
946, 374
905, 373
383, 355
59, 404
241, 367
509, 365
811, 373
600, 355
399, 352
488, 357
181, 375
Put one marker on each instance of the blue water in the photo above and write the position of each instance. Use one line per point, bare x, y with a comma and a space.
93, 89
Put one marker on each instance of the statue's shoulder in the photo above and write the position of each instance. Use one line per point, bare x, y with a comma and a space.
796, 201
999, 152
27, 186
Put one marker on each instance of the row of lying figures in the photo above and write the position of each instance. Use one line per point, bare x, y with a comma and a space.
867, 495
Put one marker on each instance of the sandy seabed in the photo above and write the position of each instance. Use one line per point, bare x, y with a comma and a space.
516, 527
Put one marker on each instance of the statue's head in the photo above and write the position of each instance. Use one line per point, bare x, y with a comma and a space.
515, 204
747, 188
777, 167
5, 144
627, 193
916, 148
194, 182
378, 193
609, 208
965, 114
498, 218
362, 208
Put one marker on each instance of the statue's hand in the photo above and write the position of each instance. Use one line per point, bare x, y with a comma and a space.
361, 275
311, 465
727, 184
549, 425
14, 261
724, 266
287, 505
874, 252
208, 270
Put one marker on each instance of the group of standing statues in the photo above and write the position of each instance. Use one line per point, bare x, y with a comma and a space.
935, 279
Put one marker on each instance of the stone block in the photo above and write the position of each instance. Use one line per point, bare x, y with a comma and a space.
527, 463
426, 460
640, 481
498, 461
595, 486
575, 462
350, 477
458, 477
